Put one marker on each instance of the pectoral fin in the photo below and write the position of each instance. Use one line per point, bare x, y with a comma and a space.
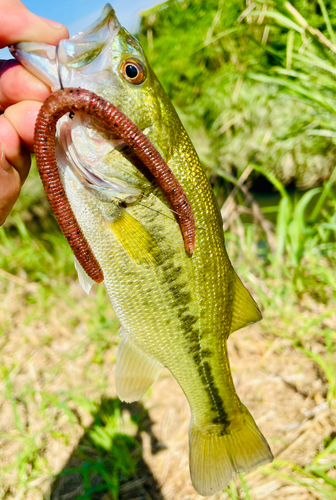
135, 370
245, 309
85, 280
134, 237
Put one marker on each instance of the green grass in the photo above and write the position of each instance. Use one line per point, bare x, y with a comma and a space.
294, 284
43, 310
246, 97
260, 106
106, 456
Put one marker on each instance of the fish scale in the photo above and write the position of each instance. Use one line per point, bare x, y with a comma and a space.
176, 309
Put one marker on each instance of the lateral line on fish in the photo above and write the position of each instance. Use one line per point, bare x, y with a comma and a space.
165, 215
110, 117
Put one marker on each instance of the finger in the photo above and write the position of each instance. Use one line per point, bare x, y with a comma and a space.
18, 24
10, 186
17, 84
2, 61
11, 145
23, 116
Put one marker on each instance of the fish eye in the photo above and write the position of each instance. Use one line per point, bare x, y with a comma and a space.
133, 71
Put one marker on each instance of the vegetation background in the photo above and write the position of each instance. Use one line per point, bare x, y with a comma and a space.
254, 84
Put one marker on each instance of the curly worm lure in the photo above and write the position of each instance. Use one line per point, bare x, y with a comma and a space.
114, 120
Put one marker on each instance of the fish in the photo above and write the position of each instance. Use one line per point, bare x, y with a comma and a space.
176, 308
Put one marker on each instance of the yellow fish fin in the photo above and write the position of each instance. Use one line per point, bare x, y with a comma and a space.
215, 458
133, 236
245, 309
135, 371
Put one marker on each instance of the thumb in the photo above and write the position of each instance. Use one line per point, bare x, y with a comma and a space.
18, 24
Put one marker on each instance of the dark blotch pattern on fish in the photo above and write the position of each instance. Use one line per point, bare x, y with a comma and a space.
181, 299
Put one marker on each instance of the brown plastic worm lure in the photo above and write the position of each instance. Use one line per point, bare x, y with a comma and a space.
114, 120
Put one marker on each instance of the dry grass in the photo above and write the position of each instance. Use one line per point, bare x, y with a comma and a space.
57, 368
63, 433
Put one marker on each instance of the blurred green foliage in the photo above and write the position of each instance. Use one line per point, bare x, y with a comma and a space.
252, 82
254, 89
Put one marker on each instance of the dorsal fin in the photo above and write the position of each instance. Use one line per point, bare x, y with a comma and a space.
245, 309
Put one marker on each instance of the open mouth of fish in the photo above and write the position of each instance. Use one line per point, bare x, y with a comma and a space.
82, 61
86, 147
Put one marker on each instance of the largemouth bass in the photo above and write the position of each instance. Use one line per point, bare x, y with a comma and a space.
176, 309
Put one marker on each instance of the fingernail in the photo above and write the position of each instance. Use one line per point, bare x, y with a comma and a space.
54, 24
3, 162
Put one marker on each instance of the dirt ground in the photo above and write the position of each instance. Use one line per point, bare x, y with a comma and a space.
45, 374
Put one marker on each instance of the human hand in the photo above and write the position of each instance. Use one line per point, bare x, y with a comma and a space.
21, 96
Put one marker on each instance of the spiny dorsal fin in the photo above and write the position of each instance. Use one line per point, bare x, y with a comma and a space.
245, 309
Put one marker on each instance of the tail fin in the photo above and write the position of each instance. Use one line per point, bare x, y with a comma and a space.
215, 458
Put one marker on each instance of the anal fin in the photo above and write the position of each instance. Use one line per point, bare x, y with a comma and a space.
135, 370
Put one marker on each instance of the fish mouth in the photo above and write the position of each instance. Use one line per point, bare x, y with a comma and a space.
86, 147
66, 64
81, 61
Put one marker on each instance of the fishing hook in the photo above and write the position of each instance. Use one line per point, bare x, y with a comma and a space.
58, 66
